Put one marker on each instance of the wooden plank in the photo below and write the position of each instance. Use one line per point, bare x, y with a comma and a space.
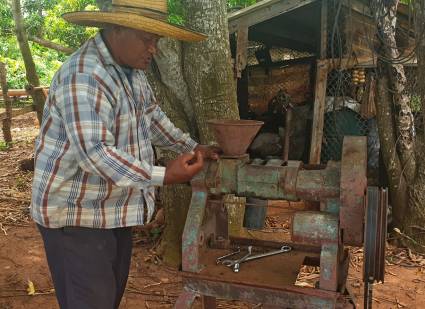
320, 89
23, 92
319, 111
18, 112
262, 11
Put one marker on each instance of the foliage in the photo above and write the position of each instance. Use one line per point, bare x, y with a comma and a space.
5, 146
43, 19
175, 15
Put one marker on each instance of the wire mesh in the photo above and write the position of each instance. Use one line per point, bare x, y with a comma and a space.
342, 113
257, 52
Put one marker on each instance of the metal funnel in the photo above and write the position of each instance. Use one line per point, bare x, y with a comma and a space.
234, 136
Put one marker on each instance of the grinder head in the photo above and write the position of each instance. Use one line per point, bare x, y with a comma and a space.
234, 136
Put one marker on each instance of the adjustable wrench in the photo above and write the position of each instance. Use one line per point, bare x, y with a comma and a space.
283, 249
235, 263
221, 258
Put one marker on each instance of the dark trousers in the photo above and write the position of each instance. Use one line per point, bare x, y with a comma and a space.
89, 267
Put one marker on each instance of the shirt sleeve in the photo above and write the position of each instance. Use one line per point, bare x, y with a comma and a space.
86, 111
166, 135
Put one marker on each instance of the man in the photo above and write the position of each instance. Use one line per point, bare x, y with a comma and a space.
94, 173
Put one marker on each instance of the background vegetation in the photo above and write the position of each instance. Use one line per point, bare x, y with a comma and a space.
43, 20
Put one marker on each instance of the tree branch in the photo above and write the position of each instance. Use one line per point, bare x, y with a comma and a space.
51, 45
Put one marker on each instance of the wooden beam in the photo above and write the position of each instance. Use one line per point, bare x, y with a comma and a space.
23, 92
262, 11
320, 90
319, 111
299, 37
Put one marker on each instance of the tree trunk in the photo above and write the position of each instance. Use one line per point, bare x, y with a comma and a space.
51, 45
207, 65
194, 83
168, 84
30, 69
387, 137
386, 15
7, 122
400, 145
413, 223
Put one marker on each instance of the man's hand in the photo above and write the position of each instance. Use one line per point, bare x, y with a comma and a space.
183, 168
209, 152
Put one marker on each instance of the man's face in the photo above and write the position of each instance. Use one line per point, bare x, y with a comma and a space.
136, 48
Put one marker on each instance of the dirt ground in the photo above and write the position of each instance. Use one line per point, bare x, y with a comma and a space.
150, 285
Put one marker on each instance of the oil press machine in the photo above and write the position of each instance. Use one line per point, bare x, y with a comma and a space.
344, 212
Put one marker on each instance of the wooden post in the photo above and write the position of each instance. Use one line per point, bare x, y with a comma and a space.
320, 90
7, 122
241, 50
319, 112
324, 30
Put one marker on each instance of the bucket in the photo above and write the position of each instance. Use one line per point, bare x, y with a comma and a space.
255, 213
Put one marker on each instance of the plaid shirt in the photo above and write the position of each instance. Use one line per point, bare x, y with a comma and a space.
94, 158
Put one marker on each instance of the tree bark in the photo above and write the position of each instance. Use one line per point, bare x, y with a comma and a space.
170, 71
51, 45
386, 16
401, 148
7, 122
207, 65
194, 83
387, 137
30, 69
415, 215
175, 199
419, 19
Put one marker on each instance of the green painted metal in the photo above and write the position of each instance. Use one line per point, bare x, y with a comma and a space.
262, 182
331, 206
329, 259
192, 232
319, 185
237, 176
315, 227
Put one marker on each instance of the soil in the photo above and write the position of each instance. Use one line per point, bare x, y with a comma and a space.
151, 284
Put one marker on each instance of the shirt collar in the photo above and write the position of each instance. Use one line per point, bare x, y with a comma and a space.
105, 55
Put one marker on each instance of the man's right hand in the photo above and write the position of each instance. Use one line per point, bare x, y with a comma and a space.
183, 168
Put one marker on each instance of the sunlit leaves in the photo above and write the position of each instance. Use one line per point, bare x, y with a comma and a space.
43, 19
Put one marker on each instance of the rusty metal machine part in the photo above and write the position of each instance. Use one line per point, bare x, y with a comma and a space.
234, 136
353, 187
329, 185
374, 244
220, 259
250, 257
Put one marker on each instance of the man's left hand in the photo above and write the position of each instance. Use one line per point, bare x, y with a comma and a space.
209, 152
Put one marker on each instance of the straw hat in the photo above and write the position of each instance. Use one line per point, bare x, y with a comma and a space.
147, 15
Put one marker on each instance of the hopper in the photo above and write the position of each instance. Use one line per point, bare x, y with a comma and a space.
234, 136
